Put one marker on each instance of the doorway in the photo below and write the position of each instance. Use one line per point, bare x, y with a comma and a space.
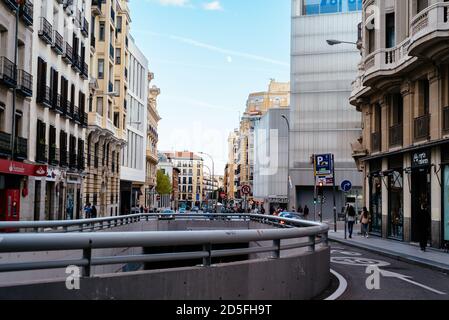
420, 194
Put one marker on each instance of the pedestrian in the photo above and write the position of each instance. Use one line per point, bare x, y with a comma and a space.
306, 212
293, 209
423, 223
87, 210
365, 222
93, 212
300, 210
142, 209
351, 220
262, 210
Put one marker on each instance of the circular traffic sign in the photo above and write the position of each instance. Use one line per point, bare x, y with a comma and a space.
346, 186
246, 189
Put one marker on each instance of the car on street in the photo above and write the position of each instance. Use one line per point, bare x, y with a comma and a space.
195, 209
182, 210
167, 214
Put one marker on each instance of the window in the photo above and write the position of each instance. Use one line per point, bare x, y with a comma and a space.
100, 106
119, 24
390, 30
100, 68
397, 110
102, 31
116, 119
117, 86
371, 38
421, 5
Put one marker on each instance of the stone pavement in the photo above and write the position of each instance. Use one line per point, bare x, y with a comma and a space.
433, 258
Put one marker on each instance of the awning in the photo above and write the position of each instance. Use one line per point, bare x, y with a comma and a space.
23, 169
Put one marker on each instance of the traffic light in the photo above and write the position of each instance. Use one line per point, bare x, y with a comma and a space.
320, 189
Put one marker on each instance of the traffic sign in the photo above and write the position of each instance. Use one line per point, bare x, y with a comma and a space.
246, 189
323, 164
346, 186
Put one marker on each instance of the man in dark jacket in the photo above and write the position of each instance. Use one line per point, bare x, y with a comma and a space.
423, 221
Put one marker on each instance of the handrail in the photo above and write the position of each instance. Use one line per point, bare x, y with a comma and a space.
86, 242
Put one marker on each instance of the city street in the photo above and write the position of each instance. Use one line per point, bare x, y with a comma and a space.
402, 281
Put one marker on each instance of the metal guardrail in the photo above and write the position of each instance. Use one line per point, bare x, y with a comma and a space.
87, 242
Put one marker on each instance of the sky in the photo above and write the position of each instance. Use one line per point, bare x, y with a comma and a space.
207, 56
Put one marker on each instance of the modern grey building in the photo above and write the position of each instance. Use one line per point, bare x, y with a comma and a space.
322, 120
270, 159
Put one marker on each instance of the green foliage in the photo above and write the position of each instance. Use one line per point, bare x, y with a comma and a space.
163, 186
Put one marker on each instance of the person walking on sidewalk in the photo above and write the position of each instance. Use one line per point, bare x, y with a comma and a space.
423, 222
306, 212
365, 222
351, 219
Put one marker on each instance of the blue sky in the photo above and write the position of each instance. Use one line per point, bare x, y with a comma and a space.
207, 57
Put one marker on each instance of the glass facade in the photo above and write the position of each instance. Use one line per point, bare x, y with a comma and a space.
313, 7
376, 204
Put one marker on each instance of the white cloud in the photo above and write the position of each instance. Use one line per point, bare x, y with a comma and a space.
213, 6
229, 59
176, 3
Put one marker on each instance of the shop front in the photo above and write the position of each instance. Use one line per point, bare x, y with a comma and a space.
445, 195
375, 192
420, 189
395, 180
14, 187
73, 197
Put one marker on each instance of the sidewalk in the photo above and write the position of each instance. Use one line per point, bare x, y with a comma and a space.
432, 258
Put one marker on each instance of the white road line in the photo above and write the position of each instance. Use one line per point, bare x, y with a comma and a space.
423, 286
342, 285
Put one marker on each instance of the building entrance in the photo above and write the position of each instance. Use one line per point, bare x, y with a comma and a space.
420, 200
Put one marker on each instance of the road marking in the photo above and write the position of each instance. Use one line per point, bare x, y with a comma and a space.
359, 262
342, 286
345, 253
389, 274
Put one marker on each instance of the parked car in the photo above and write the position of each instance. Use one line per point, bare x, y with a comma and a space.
195, 209
182, 210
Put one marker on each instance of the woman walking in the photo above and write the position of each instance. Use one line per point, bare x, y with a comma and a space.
351, 219
365, 222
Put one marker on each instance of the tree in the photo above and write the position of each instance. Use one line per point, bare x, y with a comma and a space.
163, 186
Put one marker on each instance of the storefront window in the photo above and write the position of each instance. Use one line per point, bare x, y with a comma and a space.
446, 203
376, 204
396, 206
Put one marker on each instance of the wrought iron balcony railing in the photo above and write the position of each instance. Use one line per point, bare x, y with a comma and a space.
68, 53
20, 146
63, 157
422, 127
53, 155
395, 135
58, 43
85, 27
45, 31
7, 72
376, 138
41, 151
27, 13
24, 83
44, 96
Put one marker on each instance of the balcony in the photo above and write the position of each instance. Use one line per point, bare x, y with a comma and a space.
7, 72
84, 71
376, 139
20, 151
11, 4
96, 7
446, 119
53, 155
45, 31
68, 53
58, 43
85, 27
111, 51
395, 135
76, 65
110, 126
76, 115
57, 104
83, 119
44, 97
65, 105
24, 83
41, 152
422, 127
27, 16
428, 30
81, 161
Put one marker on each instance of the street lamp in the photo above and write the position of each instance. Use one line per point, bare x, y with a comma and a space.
288, 160
213, 164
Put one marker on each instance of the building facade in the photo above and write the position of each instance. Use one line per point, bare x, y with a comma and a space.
321, 120
18, 171
230, 182
190, 181
107, 124
402, 93
152, 139
58, 124
133, 162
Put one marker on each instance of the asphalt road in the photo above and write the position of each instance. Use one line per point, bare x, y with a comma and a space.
397, 280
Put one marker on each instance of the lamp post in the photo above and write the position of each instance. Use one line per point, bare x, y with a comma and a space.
213, 165
288, 160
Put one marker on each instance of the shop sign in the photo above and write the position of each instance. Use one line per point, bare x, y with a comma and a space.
421, 159
23, 169
277, 200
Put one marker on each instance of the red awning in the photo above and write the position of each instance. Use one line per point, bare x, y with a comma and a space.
23, 169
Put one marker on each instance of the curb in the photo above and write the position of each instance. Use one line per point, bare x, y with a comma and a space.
397, 256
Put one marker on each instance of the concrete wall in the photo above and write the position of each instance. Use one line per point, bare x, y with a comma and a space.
297, 277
